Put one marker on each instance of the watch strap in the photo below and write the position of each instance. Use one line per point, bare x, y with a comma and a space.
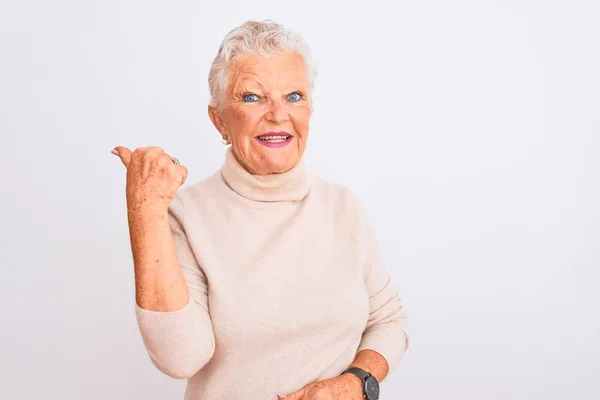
361, 373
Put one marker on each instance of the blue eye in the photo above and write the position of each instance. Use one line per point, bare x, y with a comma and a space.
250, 98
294, 97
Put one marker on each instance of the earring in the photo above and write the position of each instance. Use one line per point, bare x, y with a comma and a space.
225, 141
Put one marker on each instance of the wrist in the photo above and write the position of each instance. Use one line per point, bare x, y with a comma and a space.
146, 221
354, 384
146, 212
369, 384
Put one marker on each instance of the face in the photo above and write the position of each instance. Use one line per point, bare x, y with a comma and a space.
266, 112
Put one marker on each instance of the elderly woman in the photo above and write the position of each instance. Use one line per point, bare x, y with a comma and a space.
261, 281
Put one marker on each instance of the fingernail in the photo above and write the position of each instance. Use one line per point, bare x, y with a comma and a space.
115, 152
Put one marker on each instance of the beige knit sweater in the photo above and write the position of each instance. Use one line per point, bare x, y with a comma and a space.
286, 282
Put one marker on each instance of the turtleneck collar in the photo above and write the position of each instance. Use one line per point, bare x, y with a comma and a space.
292, 185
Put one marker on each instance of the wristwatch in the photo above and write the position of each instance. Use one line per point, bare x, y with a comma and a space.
370, 383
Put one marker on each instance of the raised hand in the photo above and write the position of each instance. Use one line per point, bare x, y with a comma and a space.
153, 177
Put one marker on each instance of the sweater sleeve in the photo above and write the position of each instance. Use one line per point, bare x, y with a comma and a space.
180, 342
386, 331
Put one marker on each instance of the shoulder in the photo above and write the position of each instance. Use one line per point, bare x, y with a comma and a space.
343, 211
198, 193
339, 196
199, 189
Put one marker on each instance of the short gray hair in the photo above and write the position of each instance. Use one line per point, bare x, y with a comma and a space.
255, 38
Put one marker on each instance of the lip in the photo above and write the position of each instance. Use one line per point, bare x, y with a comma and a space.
280, 133
273, 144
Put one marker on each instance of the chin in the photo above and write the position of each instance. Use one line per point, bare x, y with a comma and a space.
279, 162
279, 166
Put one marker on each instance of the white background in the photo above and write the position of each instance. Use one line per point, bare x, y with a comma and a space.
470, 130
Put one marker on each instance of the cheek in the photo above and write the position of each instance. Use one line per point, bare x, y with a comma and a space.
302, 119
244, 122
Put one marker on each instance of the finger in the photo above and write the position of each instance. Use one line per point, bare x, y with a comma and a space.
178, 167
124, 154
184, 173
161, 155
179, 171
153, 150
166, 163
297, 395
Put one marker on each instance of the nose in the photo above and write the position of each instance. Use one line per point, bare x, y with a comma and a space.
277, 113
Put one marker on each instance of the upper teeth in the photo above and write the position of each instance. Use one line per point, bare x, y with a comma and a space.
273, 138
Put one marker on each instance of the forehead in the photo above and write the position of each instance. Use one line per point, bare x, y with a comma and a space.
273, 72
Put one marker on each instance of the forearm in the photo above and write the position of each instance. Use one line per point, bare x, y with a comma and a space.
372, 362
177, 333
159, 282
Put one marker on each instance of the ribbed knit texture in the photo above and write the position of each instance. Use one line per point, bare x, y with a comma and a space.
287, 284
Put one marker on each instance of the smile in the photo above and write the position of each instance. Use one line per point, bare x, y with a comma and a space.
275, 139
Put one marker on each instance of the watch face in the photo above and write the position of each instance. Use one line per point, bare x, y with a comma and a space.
372, 388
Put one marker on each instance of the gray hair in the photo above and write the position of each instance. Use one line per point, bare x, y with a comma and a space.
255, 38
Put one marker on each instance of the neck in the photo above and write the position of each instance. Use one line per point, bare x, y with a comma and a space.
292, 185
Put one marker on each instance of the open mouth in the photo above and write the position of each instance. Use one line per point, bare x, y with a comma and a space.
274, 138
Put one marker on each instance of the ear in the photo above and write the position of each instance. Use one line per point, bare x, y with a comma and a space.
217, 120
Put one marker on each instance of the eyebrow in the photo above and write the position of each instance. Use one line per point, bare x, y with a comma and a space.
241, 85
246, 78
294, 87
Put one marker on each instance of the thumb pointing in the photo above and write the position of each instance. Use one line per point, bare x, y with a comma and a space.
123, 153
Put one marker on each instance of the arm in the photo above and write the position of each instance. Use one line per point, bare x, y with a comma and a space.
171, 293
159, 282
385, 337
370, 361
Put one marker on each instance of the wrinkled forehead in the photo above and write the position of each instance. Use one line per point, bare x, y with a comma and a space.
281, 72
